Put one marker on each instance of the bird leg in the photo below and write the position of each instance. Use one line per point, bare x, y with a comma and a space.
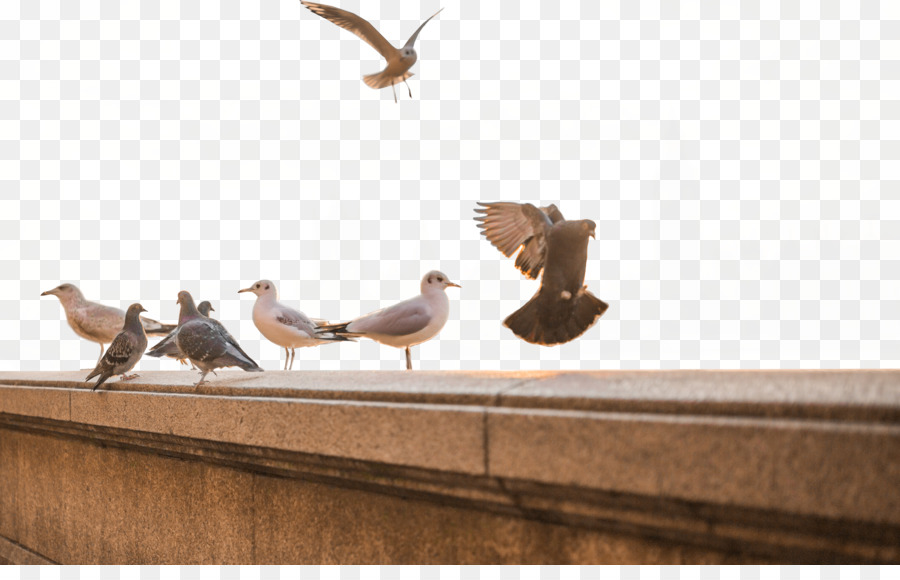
293, 354
101, 352
408, 360
407, 88
395, 91
287, 355
202, 376
128, 377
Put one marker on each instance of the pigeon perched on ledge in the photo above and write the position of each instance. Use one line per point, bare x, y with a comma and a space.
97, 322
562, 309
284, 326
167, 346
206, 343
406, 323
125, 350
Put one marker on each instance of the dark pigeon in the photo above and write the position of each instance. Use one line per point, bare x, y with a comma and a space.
167, 346
125, 350
206, 343
562, 309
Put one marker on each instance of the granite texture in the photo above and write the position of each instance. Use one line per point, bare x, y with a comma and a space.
401, 467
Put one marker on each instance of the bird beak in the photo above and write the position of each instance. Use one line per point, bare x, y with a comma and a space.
594, 234
245, 290
211, 309
144, 310
454, 284
47, 293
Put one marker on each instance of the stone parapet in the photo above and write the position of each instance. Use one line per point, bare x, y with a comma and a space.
452, 467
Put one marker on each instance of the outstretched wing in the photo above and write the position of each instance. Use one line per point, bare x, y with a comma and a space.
510, 226
412, 39
357, 25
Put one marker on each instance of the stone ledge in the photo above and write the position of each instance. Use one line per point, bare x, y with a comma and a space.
770, 463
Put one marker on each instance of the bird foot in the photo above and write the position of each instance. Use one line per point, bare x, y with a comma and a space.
129, 377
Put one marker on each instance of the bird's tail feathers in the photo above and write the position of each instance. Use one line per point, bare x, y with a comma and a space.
383, 79
555, 319
93, 374
162, 330
337, 332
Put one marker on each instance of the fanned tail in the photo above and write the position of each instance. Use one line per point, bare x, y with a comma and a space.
549, 320
381, 80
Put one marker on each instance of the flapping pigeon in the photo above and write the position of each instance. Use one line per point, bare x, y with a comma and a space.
284, 326
96, 322
206, 343
125, 350
399, 61
562, 309
406, 323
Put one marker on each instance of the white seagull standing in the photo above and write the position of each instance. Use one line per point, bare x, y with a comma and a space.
284, 326
399, 61
406, 323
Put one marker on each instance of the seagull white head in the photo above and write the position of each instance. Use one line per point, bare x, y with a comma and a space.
435, 281
65, 292
262, 288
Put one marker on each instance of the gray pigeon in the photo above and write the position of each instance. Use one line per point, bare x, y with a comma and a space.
167, 346
125, 351
206, 343
96, 322
562, 309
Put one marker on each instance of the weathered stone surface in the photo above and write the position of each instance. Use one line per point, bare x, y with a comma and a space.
799, 467
398, 467
439, 437
35, 402
313, 523
82, 503
9, 478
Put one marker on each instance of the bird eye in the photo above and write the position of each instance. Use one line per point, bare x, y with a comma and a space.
440, 279
257, 285
267, 286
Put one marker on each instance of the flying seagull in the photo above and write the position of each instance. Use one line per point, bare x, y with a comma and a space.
206, 343
125, 350
284, 326
96, 322
406, 323
562, 309
399, 61
167, 346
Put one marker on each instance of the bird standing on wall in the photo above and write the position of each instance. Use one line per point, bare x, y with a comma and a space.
206, 343
406, 323
125, 350
399, 61
284, 326
168, 347
96, 322
562, 309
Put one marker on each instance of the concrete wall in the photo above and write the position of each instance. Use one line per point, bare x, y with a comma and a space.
319, 467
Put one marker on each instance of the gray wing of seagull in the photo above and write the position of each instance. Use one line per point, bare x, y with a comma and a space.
294, 319
358, 26
412, 39
402, 319
510, 226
